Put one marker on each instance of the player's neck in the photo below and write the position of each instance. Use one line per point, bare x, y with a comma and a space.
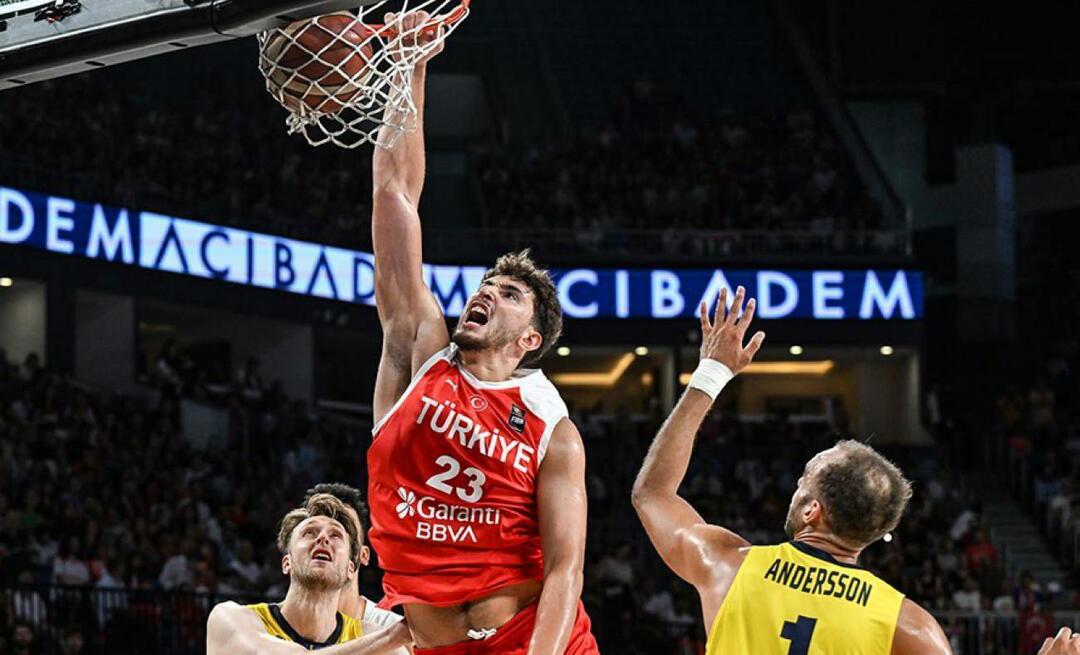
488, 365
831, 545
352, 603
313, 614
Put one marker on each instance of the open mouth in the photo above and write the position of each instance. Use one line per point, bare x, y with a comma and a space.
322, 556
477, 315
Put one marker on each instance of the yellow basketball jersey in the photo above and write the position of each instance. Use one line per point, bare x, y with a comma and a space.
347, 628
794, 599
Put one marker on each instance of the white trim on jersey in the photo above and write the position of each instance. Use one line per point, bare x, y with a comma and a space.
376, 619
537, 392
543, 399
444, 354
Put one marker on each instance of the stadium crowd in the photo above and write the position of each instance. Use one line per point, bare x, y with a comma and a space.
104, 492
1039, 430
656, 166
225, 158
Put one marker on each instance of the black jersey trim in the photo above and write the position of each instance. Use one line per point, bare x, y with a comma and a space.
275, 611
822, 555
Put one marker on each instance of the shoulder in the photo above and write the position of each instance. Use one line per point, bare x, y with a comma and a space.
918, 632
542, 398
228, 608
229, 614
565, 444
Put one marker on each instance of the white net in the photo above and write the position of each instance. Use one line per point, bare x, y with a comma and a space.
346, 78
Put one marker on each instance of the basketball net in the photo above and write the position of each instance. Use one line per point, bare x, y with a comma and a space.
364, 97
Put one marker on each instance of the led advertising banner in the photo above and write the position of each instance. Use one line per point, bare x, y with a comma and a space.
164, 243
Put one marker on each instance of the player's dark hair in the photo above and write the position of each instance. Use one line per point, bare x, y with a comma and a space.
863, 493
547, 312
319, 505
351, 496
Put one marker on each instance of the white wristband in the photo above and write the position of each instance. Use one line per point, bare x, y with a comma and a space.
711, 377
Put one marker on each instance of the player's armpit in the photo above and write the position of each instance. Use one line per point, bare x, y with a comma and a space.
699, 553
562, 508
918, 633
233, 629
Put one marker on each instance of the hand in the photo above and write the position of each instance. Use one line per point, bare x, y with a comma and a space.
417, 30
1065, 643
722, 336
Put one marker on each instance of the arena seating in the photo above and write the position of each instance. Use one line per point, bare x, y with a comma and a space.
657, 180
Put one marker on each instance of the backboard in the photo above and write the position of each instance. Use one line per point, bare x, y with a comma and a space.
45, 39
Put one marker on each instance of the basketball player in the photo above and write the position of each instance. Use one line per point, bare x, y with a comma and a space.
804, 597
352, 602
477, 475
319, 546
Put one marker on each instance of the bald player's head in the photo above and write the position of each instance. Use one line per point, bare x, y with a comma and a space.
850, 491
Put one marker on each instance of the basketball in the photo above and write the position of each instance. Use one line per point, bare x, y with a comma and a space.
321, 63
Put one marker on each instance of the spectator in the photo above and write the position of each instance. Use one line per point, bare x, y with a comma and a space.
72, 641
968, 599
981, 554
245, 566
23, 639
69, 568
177, 572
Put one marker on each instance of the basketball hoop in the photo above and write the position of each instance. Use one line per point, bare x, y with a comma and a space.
346, 76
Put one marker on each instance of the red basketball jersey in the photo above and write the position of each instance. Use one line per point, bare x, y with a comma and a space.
452, 483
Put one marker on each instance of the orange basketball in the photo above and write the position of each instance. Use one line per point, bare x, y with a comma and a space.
322, 62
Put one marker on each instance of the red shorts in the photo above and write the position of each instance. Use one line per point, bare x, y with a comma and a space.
513, 638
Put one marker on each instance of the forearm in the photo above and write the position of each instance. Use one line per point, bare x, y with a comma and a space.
383, 642
669, 456
401, 168
557, 610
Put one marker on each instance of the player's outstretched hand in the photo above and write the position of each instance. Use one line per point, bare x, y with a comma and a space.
418, 30
723, 334
1065, 643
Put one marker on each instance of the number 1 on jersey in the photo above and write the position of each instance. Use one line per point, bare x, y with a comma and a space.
799, 633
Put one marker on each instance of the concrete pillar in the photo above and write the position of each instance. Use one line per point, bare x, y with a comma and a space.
986, 244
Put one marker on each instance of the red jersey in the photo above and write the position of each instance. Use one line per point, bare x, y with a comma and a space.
452, 483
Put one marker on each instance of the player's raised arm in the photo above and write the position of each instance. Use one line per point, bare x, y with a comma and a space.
694, 550
233, 629
562, 509
412, 321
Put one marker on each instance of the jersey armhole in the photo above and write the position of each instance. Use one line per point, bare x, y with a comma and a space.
443, 354
548, 405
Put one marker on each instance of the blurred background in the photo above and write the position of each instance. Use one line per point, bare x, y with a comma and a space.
158, 416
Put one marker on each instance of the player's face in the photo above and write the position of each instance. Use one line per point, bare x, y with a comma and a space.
318, 556
498, 314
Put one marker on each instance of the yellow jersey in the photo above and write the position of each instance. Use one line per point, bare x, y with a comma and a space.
794, 599
276, 626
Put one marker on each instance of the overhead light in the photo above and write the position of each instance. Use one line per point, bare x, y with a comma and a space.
812, 368
646, 379
641, 351
796, 350
6, 282
887, 351
606, 379
563, 351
